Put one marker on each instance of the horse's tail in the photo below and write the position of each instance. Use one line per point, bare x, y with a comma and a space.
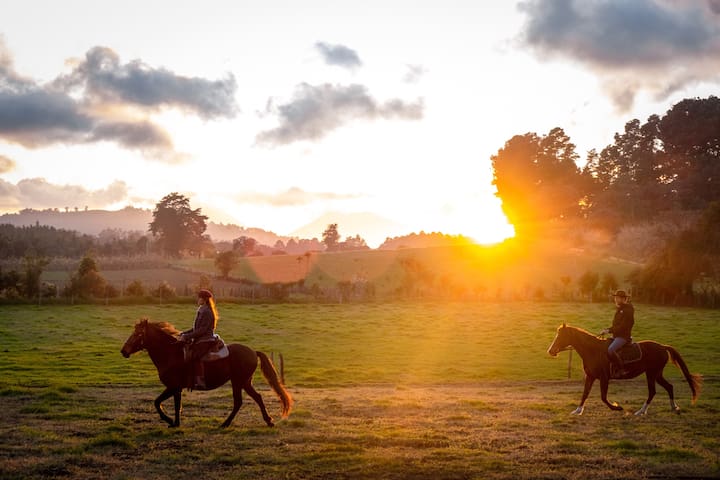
271, 375
693, 379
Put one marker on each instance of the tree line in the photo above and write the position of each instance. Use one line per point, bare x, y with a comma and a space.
667, 167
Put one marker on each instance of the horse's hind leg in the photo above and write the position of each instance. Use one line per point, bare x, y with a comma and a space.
237, 403
651, 377
258, 399
668, 386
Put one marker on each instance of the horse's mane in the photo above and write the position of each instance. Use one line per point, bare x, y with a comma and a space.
164, 327
578, 329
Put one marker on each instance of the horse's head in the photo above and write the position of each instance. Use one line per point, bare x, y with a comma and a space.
136, 341
561, 342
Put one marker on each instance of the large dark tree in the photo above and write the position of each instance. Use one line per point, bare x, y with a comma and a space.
667, 164
690, 134
537, 179
626, 178
179, 227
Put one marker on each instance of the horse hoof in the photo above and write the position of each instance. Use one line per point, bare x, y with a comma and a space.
578, 411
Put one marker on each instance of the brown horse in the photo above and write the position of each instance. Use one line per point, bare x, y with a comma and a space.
593, 351
166, 352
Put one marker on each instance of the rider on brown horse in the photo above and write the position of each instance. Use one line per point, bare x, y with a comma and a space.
621, 328
202, 335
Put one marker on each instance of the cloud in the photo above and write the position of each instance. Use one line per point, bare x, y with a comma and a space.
414, 73
6, 164
106, 80
316, 110
35, 117
292, 197
338, 55
656, 45
104, 100
7, 67
39, 193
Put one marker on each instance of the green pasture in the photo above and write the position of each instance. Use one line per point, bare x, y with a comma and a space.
397, 390
342, 344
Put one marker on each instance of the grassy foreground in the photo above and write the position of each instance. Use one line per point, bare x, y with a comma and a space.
383, 391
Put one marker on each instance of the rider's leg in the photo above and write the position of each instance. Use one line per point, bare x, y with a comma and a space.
199, 374
200, 350
613, 355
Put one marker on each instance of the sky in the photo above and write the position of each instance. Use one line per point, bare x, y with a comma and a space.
380, 116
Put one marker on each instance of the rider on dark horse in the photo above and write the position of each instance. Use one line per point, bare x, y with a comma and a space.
621, 329
202, 335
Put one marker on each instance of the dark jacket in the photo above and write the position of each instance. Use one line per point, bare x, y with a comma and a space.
623, 321
204, 326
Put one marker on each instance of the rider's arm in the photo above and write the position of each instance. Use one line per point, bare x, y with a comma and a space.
203, 325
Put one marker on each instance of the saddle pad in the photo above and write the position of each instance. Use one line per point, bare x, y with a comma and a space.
217, 354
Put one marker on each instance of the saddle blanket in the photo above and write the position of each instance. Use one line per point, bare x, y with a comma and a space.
217, 352
630, 353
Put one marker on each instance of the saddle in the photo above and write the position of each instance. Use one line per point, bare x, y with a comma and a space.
218, 351
630, 352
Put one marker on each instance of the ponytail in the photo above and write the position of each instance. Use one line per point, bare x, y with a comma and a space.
213, 309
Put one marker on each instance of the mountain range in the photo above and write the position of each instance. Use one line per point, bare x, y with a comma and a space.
372, 228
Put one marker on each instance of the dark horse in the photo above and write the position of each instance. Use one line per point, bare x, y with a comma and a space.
166, 352
593, 351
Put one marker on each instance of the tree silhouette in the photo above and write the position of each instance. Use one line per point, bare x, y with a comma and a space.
245, 246
225, 262
537, 179
331, 237
178, 226
690, 135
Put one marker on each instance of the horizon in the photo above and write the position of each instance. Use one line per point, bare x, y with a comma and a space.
279, 115
375, 243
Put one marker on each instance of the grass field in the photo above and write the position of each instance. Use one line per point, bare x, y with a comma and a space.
431, 390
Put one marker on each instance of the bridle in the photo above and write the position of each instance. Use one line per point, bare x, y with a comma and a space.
137, 340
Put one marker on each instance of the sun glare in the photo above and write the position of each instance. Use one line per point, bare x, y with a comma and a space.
484, 224
493, 232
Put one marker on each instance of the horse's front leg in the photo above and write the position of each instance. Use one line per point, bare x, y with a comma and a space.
167, 393
177, 397
604, 384
589, 380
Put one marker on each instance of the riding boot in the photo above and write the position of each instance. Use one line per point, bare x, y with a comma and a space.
617, 364
199, 374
